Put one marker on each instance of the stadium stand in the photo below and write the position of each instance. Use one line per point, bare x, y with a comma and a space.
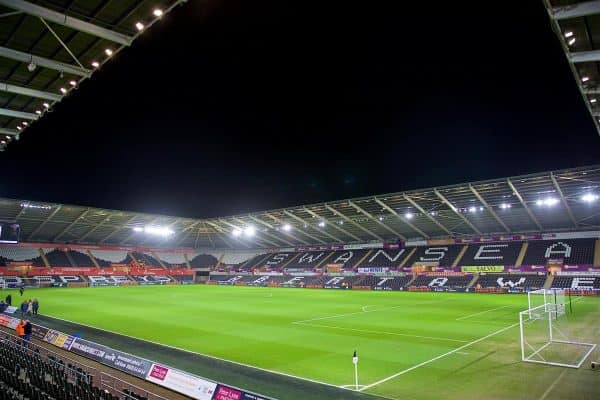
383, 283
572, 251
384, 258
444, 255
172, 259
460, 281
310, 259
12, 254
146, 259
238, 259
57, 258
203, 261
491, 254
275, 260
81, 259
511, 281
348, 258
107, 257
576, 282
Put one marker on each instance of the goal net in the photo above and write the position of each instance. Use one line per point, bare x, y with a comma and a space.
545, 332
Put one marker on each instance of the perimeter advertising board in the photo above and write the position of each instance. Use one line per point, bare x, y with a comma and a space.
181, 382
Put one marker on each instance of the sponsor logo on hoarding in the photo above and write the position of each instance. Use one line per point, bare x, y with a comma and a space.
225, 393
483, 268
182, 382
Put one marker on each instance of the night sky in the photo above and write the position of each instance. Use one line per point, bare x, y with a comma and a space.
227, 107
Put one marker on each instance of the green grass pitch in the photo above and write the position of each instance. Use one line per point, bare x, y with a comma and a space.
410, 345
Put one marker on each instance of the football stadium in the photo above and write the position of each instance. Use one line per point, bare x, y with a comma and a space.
479, 289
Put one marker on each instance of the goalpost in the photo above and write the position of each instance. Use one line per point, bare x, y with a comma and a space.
543, 330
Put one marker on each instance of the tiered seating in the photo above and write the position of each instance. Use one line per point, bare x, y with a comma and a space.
81, 259
459, 281
20, 254
146, 259
508, 281
572, 251
384, 258
239, 258
57, 258
576, 282
172, 259
107, 257
346, 257
310, 259
444, 255
492, 254
275, 260
204, 261
383, 283
24, 374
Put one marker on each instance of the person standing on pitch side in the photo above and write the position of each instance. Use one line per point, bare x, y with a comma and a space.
36, 306
22, 289
9, 299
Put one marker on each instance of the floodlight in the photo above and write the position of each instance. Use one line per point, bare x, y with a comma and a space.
585, 79
46, 105
139, 26
38, 112
157, 230
341, 222
593, 100
322, 224
8, 137
72, 83
31, 66
19, 128
157, 12
2, 142
138, 229
571, 42
25, 123
63, 90
381, 218
95, 64
108, 52
504, 206
549, 201
480, 208
472, 209
249, 231
568, 34
236, 232
590, 197
408, 215
287, 227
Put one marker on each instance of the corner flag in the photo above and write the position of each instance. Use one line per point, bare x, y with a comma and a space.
355, 358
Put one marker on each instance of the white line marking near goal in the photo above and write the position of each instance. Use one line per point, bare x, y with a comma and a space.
479, 313
379, 332
438, 357
547, 392
464, 353
345, 315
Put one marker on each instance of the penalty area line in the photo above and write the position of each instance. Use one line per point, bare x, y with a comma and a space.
438, 357
479, 313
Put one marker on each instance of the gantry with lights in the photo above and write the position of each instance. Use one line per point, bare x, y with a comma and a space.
47, 49
555, 201
577, 25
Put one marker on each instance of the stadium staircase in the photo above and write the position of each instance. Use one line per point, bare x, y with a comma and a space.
187, 260
44, 259
157, 258
89, 253
324, 260
597, 252
290, 260
549, 282
460, 255
409, 283
368, 254
405, 259
522, 254
473, 281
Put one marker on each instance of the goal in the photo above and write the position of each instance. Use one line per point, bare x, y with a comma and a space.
545, 332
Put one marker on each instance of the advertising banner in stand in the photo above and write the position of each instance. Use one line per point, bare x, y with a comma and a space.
39, 332
59, 339
113, 358
226, 393
483, 268
182, 382
8, 322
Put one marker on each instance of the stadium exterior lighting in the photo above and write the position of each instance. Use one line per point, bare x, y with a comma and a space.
549, 201
585, 79
590, 197
95, 64
236, 232
572, 41
408, 215
108, 52
139, 26
46, 105
287, 227
157, 12
322, 224
63, 90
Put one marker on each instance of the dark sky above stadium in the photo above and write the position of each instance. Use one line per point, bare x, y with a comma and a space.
233, 106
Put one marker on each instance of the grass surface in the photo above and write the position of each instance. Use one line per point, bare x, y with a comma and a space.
407, 342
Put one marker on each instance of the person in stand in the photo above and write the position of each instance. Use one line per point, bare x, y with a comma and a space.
9, 299
36, 306
21, 331
27, 327
3, 306
29, 307
24, 306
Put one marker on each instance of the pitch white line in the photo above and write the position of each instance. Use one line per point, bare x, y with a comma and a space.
347, 314
379, 332
479, 313
547, 392
438, 357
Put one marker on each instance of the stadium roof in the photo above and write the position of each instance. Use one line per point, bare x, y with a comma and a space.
48, 47
577, 25
565, 200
